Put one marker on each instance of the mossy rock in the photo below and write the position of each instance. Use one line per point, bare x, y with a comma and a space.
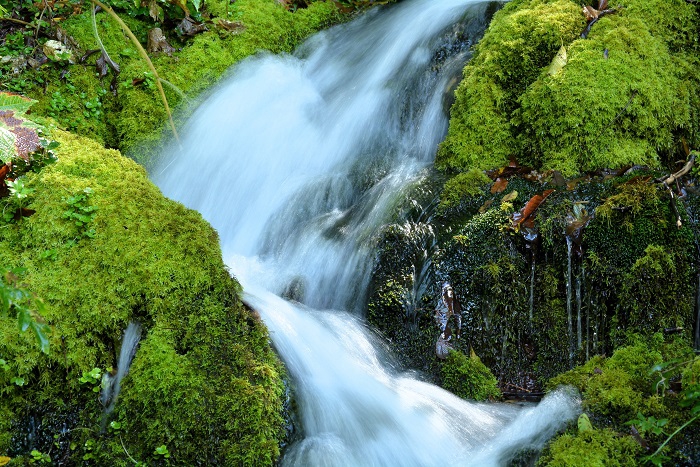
596, 447
624, 97
204, 381
468, 377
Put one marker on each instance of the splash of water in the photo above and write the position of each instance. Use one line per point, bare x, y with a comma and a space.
111, 385
300, 161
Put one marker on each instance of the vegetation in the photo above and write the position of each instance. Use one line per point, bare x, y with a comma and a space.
204, 364
639, 418
468, 377
124, 111
638, 102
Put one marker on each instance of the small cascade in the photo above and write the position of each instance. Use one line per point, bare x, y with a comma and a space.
111, 385
569, 299
579, 329
324, 149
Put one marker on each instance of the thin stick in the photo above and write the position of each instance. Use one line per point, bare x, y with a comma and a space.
145, 56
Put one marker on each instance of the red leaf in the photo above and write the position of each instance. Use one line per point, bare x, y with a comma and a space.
525, 217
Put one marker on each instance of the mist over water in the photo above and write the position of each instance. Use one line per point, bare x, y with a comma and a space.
300, 159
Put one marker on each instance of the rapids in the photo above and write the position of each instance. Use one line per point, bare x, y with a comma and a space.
299, 160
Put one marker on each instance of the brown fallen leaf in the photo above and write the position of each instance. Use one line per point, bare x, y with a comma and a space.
189, 27
235, 27
499, 185
526, 214
158, 43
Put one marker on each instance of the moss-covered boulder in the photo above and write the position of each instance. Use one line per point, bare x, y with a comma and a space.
467, 377
625, 96
204, 382
634, 401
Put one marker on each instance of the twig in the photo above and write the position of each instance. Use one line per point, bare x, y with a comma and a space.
145, 56
127, 452
108, 59
674, 176
18, 21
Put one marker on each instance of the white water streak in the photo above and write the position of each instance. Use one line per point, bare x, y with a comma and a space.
299, 161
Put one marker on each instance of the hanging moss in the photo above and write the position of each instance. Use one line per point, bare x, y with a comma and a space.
204, 381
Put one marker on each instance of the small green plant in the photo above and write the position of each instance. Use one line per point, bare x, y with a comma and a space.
162, 451
39, 457
19, 192
17, 381
15, 298
58, 104
81, 212
92, 378
648, 425
89, 446
4, 365
93, 106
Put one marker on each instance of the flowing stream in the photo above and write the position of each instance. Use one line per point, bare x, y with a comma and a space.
297, 161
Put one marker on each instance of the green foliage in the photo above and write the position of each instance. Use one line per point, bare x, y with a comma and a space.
624, 97
92, 378
39, 457
204, 364
81, 212
596, 447
15, 298
466, 184
468, 378
134, 120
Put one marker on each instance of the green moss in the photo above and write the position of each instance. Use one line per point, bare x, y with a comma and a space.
468, 377
624, 97
135, 120
597, 447
204, 365
691, 374
466, 184
522, 39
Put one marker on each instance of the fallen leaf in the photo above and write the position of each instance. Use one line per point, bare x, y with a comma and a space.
558, 62
4, 460
558, 178
499, 185
526, 214
510, 197
188, 27
236, 27
590, 13
101, 66
485, 206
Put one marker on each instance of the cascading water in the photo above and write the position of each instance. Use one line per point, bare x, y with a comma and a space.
299, 161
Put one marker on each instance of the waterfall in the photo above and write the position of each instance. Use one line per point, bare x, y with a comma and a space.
297, 161
569, 298
111, 385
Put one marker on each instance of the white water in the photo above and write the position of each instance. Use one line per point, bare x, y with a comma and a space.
299, 160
